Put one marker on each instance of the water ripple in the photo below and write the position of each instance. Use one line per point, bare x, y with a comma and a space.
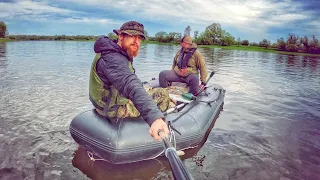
269, 127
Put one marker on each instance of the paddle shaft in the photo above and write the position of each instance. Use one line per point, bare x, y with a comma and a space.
179, 171
173, 109
202, 88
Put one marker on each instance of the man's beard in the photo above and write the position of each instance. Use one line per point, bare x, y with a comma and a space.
131, 52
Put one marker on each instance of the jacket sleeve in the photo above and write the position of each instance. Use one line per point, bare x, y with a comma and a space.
117, 71
201, 65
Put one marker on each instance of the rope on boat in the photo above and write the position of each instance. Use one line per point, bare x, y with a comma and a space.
91, 156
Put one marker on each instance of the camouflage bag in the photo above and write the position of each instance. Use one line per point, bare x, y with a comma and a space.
159, 95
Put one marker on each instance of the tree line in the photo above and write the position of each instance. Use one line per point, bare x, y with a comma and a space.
214, 34
52, 38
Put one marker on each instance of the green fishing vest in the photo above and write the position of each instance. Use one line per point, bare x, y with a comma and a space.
103, 96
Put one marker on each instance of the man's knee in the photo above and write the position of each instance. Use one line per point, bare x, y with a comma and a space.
193, 82
193, 79
163, 74
163, 79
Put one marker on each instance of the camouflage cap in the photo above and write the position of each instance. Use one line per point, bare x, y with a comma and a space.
133, 28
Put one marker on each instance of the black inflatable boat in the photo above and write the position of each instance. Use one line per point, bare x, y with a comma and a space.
128, 140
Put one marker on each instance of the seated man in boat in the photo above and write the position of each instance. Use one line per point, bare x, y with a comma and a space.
115, 90
186, 65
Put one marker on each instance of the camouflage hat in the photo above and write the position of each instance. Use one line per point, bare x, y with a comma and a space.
187, 39
132, 28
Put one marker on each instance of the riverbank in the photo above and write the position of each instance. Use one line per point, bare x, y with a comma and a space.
234, 47
5, 40
260, 49
244, 48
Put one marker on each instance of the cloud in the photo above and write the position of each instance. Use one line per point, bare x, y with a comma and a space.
90, 20
27, 9
249, 14
252, 18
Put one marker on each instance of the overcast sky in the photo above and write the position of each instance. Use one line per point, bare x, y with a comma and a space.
248, 19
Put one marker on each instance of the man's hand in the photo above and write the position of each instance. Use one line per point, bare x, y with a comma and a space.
157, 125
203, 84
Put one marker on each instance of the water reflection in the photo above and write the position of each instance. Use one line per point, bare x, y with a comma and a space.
99, 169
269, 128
293, 62
165, 53
311, 62
159, 168
152, 59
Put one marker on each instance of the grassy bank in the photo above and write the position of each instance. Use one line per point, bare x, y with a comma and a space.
234, 47
156, 42
5, 40
244, 48
260, 49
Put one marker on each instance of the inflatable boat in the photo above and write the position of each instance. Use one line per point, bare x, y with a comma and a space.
121, 141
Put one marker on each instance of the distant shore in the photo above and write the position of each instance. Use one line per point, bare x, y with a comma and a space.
233, 47
6, 40
260, 49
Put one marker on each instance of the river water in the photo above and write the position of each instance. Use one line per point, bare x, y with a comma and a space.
269, 127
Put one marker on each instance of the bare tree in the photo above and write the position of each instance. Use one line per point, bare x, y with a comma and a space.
187, 31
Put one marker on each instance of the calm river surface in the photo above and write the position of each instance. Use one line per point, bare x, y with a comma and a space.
269, 128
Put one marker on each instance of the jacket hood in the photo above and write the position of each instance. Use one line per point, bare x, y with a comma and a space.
108, 45
194, 45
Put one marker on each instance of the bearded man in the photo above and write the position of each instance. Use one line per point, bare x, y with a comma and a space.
114, 89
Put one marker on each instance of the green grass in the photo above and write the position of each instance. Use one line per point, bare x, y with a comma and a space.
156, 42
5, 40
234, 47
260, 49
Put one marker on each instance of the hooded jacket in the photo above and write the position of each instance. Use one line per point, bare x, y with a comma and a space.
195, 64
113, 70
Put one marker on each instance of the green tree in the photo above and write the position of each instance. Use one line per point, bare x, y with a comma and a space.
178, 37
160, 36
3, 30
292, 43
187, 31
304, 41
112, 36
171, 37
254, 44
314, 45
245, 43
202, 39
239, 41
227, 39
274, 45
281, 44
196, 33
146, 35
265, 43
214, 32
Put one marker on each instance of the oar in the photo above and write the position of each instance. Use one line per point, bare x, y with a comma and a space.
179, 171
173, 109
202, 88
